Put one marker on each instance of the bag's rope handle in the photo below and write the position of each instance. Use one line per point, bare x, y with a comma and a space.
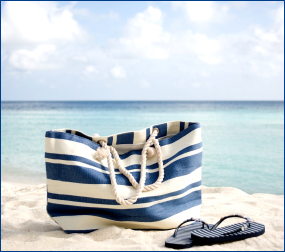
140, 187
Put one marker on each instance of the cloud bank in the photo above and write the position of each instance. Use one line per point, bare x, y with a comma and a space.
197, 45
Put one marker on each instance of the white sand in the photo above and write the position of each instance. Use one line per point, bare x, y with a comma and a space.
26, 225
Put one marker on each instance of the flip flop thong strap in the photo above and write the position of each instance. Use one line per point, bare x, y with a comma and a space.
189, 220
240, 228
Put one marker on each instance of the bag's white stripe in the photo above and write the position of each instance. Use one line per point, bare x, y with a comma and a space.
71, 162
104, 191
137, 205
139, 137
87, 222
173, 128
61, 146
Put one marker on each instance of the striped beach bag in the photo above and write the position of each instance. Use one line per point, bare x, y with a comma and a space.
146, 179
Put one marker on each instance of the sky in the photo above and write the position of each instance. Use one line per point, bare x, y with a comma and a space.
142, 50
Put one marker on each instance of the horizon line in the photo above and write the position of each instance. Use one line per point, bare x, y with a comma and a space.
142, 100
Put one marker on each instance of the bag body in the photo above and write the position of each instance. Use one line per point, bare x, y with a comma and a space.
87, 191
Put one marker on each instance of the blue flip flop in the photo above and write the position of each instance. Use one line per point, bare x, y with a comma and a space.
182, 236
235, 232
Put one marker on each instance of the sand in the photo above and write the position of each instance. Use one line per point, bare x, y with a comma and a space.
26, 225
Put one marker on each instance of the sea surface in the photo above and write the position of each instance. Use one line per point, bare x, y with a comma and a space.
243, 141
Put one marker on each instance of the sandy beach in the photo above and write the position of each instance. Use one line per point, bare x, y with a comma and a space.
26, 225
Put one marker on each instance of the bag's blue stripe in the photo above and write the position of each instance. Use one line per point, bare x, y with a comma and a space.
131, 167
114, 202
75, 158
80, 231
139, 152
130, 153
187, 149
149, 214
125, 138
182, 126
110, 140
85, 231
94, 145
78, 133
179, 135
79, 174
71, 137
147, 133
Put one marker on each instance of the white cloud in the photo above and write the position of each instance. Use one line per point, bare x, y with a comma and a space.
208, 50
118, 72
260, 49
202, 11
36, 22
145, 36
87, 13
32, 32
199, 11
198, 46
90, 69
33, 59
257, 50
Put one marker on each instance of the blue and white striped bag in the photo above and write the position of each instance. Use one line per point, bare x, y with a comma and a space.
146, 179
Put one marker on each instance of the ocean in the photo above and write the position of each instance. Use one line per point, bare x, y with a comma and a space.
243, 140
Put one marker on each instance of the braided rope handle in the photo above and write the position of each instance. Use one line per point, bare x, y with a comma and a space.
140, 187
160, 168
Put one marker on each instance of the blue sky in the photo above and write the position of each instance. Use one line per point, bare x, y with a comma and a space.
142, 50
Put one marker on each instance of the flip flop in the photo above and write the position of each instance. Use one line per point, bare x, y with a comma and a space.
182, 236
229, 233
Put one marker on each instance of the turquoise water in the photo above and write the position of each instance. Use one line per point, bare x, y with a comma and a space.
243, 141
